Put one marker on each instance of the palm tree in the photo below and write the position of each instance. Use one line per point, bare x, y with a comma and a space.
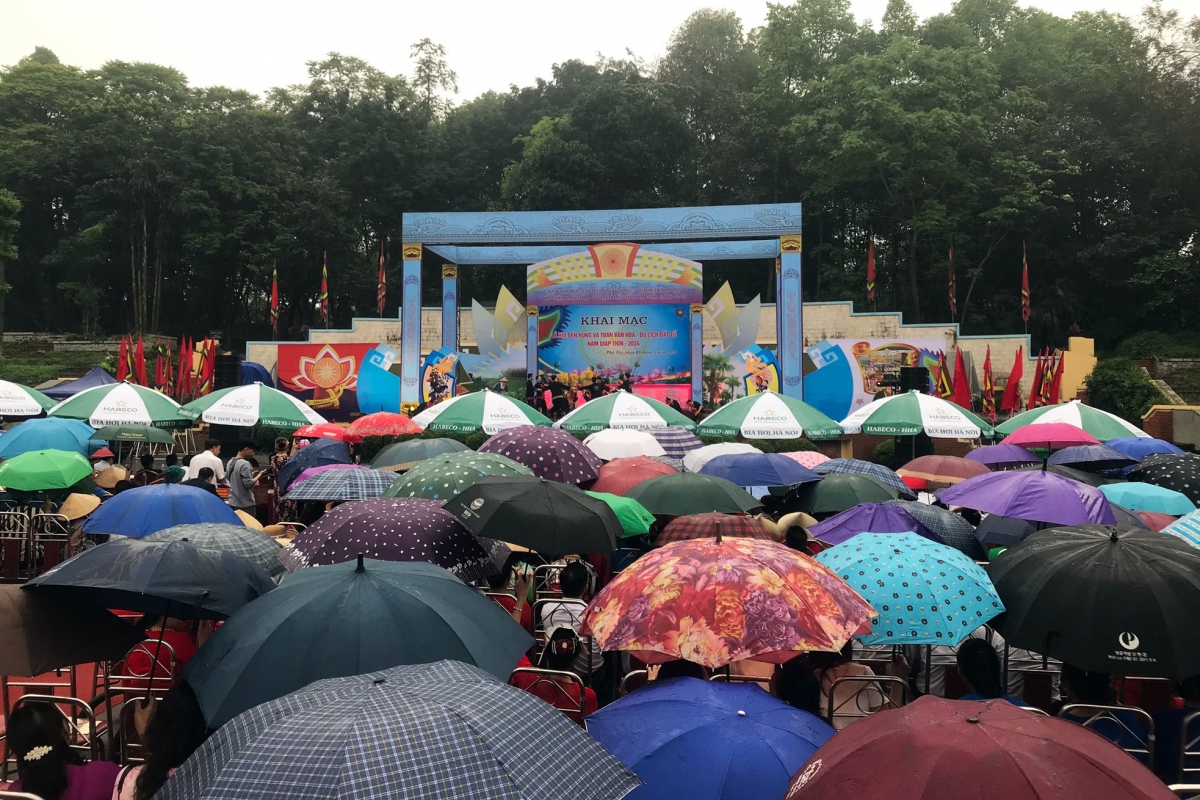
717, 370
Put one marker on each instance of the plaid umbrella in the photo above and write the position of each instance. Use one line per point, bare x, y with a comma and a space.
389, 529
807, 458
676, 441
383, 423
854, 466
216, 537
1092, 457
953, 529
444, 477
1178, 472
419, 732
338, 485
551, 453
622, 474
705, 526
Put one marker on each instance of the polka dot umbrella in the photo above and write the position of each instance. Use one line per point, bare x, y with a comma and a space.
1180, 473
444, 477
390, 529
551, 453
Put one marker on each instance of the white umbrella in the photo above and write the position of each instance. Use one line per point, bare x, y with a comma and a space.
613, 443
695, 460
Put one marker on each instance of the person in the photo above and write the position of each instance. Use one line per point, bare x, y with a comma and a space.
173, 472
694, 410
856, 699
170, 730
281, 510
625, 385
1168, 731
558, 398
979, 666
100, 460
211, 457
203, 480
241, 479
172, 632
1122, 728
516, 604
796, 683
681, 668
501, 386
530, 390
46, 765
568, 613
562, 646
148, 474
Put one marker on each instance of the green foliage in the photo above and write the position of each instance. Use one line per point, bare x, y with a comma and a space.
885, 454
1122, 387
1156, 344
793, 445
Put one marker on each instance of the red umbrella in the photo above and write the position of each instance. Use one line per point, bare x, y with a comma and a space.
1156, 521
622, 474
942, 469
325, 430
383, 423
705, 526
1050, 435
938, 749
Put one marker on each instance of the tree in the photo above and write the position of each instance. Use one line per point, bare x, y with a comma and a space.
432, 76
10, 208
1122, 387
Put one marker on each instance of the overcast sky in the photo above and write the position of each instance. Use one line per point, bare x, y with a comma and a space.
258, 44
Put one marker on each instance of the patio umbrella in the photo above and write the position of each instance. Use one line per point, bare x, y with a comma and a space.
1050, 436
870, 518
325, 430
39, 470
19, 400
937, 749
45, 434
687, 493
39, 633
836, 493
322, 452
923, 592
942, 469
856, 466
253, 404
622, 474
1181, 473
340, 485
388, 529
759, 469
421, 732
1186, 528
366, 616
807, 458
1091, 457
769, 415
948, 526
690, 739
134, 433
1100, 424
549, 517
623, 411
677, 442
914, 412
1003, 455
143, 510
716, 601
383, 423
485, 411
122, 403
1103, 598
1148, 497
444, 477
550, 453
710, 526
1033, 495
695, 460
613, 443
215, 537
632, 515
170, 579
401, 456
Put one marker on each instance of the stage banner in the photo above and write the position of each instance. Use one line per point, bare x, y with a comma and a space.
324, 376
438, 375
761, 370
842, 375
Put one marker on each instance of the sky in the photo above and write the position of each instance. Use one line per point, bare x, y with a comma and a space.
260, 44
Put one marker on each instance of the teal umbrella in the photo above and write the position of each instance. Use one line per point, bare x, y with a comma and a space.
1148, 497
39, 470
633, 516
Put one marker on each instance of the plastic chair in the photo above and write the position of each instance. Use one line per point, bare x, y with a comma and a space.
52, 542
78, 721
1110, 716
882, 684
1189, 748
547, 685
632, 682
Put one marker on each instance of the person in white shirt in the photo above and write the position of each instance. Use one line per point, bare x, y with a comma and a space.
568, 613
211, 458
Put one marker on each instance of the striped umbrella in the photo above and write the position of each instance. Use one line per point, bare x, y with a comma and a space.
623, 410
19, 400
1186, 528
1100, 424
676, 441
444, 477
340, 485
254, 404
383, 423
485, 411
552, 454
122, 404
913, 412
769, 415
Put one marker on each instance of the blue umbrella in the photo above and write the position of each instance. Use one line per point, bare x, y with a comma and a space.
856, 466
318, 454
690, 739
1138, 447
1148, 497
873, 517
925, 593
143, 510
759, 469
1091, 457
46, 434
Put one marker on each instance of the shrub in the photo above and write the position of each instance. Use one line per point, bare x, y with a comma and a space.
1123, 388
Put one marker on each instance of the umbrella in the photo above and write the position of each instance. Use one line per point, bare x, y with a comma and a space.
170, 579
1050, 436
252, 404
769, 415
948, 526
1155, 521
320, 453
383, 423
688, 493
1095, 479
45, 434
38, 470
632, 515
835, 493
1138, 447
613, 443
623, 410
1103, 598
913, 412
19, 400
942, 469
923, 592
362, 616
807, 458
1147, 497
551, 453
1003, 455
389, 529
716, 601
1033, 495
622, 474
1181, 473
759, 469
1100, 424
339, 485
549, 517
443, 477
856, 466
690, 739
39, 633
695, 460
401, 456
1186, 528
312, 472
122, 403
676, 441
325, 430
143, 510
1091, 457
1006, 531
485, 411
872, 518
215, 537
1127, 518
937, 749
134, 433
711, 526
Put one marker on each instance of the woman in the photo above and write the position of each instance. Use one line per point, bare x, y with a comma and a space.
853, 699
46, 765
171, 731
282, 510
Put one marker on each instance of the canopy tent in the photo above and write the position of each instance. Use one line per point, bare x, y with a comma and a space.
97, 377
255, 373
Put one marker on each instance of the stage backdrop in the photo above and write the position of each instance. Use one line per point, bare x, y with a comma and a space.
842, 375
325, 376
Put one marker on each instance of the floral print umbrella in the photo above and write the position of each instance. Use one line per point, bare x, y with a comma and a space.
716, 601
551, 453
444, 477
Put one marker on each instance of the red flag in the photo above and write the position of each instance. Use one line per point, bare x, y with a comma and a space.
123, 361
139, 363
274, 300
1011, 400
323, 298
185, 369
989, 389
945, 388
952, 288
381, 284
210, 366
169, 380
1056, 382
1024, 284
871, 268
1035, 391
159, 379
962, 389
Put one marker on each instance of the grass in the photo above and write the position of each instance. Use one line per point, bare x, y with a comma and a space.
24, 363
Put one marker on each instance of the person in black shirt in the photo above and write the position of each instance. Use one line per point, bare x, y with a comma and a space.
558, 394
203, 480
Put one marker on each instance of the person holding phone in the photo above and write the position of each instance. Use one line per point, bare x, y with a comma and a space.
242, 478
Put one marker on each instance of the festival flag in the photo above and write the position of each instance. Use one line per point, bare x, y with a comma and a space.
1048, 377
1039, 373
139, 363
1056, 381
208, 357
945, 388
123, 360
962, 389
160, 378
1011, 401
186, 351
1024, 284
323, 299
381, 284
952, 287
871, 268
989, 389
274, 300
169, 387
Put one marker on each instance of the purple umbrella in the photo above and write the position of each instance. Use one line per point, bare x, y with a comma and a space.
1003, 455
870, 518
676, 441
551, 453
1033, 495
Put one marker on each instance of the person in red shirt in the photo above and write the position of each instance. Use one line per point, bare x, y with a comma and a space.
562, 693
517, 605
172, 632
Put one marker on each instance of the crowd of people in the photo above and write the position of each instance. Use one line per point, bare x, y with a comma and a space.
557, 395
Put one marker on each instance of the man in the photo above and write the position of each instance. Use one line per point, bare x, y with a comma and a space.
241, 479
148, 473
568, 613
173, 473
558, 396
211, 458
203, 480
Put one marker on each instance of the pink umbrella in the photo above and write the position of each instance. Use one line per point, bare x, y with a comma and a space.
1050, 435
308, 473
807, 458
325, 430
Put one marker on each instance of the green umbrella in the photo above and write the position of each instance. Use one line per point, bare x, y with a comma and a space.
623, 410
444, 477
836, 493
133, 433
253, 404
1101, 424
19, 400
122, 404
913, 412
39, 470
768, 415
688, 493
633, 515
485, 411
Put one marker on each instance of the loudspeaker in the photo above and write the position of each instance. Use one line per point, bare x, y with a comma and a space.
914, 378
227, 372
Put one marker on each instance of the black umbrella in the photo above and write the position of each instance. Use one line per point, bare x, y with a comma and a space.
1007, 531
542, 515
836, 493
1089, 478
400, 456
1179, 472
39, 633
1103, 598
320, 453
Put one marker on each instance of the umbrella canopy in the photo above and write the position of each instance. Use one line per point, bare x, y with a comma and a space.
340, 485
759, 469
870, 518
551, 453
325, 430
322, 452
388, 529
948, 526
1003, 455
367, 616
171, 579
444, 477
484, 411
401, 456
613, 443
937, 749
807, 458
134, 433
45, 434
122, 404
19, 400
1156, 521
545, 516
914, 412
623, 411
1127, 518
383, 423
769, 415
856, 466
690, 739
622, 474
1181, 473
312, 472
716, 601
39, 633
1186, 528
39, 470
1050, 436
1103, 598
633, 516
676, 441
1005, 531
687, 493
97, 376
215, 537
923, 592
1138, 447
695, 460
253, 404
1034, 495
1148, 497
422, 732
712, 526
836, 493
1095, 479
1091, 457
942, 469
1100, 424
143, 510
